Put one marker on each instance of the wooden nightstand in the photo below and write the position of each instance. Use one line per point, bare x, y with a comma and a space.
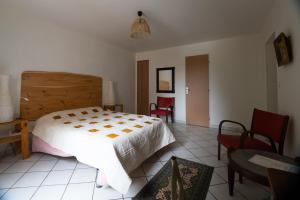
114, 107
19, 137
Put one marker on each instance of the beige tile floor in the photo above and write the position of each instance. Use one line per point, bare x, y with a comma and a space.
45, 177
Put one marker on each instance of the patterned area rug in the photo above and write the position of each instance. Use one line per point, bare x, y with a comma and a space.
195, 176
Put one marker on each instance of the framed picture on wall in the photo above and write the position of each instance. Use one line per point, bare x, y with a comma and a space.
283, 49
165, 80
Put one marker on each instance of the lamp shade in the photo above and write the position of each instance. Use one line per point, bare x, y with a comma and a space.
140, 28
6, 106
109, 98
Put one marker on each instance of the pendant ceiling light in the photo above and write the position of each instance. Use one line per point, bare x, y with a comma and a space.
140, 28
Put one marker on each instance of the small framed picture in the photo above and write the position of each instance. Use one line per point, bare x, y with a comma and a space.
283, 50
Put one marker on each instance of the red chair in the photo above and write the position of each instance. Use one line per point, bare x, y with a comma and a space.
164, 107
270, 125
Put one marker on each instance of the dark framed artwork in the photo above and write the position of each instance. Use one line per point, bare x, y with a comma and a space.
165, 80
283, 49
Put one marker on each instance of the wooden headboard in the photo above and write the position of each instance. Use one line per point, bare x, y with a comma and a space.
46, 92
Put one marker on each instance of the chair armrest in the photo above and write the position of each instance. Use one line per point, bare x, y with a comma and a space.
151, 106
233, 122
170, 107
15, 122
273, 146
244, 135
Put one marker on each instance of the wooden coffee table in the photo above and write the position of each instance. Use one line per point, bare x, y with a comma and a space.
239, 162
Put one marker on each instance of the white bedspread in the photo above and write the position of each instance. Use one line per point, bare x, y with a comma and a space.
115, 143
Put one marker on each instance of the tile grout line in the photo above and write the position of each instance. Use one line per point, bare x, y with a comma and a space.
11, 164
195, 155
241, 194
189, 139
214, 167
94, 190
212, 194
11, 187
202, 161
69, 181
44, 178
97, 171
57, 160
28, 171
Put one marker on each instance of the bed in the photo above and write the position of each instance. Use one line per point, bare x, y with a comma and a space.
71, 122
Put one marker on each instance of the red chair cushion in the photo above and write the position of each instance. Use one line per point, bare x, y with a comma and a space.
160, 112
233, 141
229, 140
257, 144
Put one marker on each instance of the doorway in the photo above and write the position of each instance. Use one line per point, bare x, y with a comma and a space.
272, 98
197, 90
143, 87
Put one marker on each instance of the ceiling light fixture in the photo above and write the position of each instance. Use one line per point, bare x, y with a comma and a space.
140, 28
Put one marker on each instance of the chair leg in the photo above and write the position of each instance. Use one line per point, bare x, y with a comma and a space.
167, 119
219, 151
240, 178
230, 180
172, 117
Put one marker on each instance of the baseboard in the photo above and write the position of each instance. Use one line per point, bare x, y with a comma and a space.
224, 127
215, 126
180, 121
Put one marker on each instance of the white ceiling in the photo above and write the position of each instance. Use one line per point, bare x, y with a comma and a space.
172, 22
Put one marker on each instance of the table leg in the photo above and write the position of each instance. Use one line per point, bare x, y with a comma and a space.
230, 180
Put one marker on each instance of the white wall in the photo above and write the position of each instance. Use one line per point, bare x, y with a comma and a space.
237, 76
29, 43
285, 17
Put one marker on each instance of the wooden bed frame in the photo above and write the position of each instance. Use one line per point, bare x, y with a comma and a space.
46, 92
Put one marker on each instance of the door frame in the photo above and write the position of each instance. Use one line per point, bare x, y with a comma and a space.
271, 75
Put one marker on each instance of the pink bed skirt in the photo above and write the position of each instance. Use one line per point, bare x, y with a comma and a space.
39, 145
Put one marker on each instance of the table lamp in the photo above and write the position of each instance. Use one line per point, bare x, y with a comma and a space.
6, 105
109, 98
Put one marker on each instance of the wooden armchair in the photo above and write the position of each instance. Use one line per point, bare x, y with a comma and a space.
21, 137
269, 125
163, 107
